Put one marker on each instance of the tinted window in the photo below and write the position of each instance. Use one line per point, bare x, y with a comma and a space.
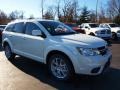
30, 27
2, 27
114, 25
57, 28
94, 25
10, 27
19, 27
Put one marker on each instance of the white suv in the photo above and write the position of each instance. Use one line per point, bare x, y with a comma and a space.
64, 51
115, 29
94, 30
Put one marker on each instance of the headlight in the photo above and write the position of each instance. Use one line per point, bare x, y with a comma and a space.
97, 32
118, 31
88, 51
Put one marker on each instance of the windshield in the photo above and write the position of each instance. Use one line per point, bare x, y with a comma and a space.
57, 28
114, 25
94, 25
72, 25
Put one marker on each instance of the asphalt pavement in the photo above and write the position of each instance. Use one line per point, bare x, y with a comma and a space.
26, 74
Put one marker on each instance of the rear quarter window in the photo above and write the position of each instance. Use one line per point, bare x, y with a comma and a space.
10, 27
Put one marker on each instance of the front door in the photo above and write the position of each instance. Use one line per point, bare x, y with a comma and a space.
33, 45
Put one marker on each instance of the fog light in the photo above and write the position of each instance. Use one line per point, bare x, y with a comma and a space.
95, 70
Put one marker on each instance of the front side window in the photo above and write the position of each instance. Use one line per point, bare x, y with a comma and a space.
56, 28
30, 27
19, 27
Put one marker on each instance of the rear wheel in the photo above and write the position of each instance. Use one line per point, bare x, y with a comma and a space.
114, 36
60, 67
92, 34
8, 53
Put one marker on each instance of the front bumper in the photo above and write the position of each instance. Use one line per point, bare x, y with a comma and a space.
104, 36
93, 65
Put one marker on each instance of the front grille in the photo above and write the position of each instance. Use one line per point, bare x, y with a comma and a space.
103, 32
108, 32
102, 50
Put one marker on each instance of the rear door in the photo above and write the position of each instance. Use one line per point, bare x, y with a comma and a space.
17, 36
8, 33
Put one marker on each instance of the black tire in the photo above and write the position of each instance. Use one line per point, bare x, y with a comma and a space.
8, 53
114, 36
69, 67
92, 34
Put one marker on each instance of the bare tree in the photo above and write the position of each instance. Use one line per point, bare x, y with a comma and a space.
49, 14
102, 15
69, 10
113, 8
92, 17
3, 18
16, 15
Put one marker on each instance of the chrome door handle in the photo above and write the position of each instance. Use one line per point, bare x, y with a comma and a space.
24, 38
10, 35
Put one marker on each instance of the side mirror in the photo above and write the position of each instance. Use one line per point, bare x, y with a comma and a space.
87, 27
36, 33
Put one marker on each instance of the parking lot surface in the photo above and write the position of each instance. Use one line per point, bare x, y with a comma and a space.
26, 74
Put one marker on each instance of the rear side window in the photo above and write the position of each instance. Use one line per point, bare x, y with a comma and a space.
19, 27
10, 27
30, 27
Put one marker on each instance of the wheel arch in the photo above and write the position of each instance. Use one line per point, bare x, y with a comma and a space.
6, 42
59, 52
91, 33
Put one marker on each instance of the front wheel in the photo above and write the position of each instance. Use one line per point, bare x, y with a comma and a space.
60, 67
8, 53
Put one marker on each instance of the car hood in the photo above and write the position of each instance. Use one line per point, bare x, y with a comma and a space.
115, 28
99, 29
82, 40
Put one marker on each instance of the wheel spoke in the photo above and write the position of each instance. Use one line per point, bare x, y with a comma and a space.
59, 68
7, 52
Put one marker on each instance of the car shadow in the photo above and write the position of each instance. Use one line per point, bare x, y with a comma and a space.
109, 81
1, 48
115, 42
